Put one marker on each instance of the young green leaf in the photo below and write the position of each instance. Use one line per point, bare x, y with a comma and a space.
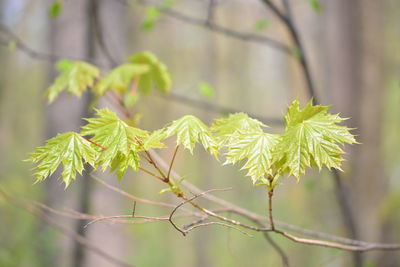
189, 131
120, 78
316, 5
122, 162
154, 140
225, 128
151, 16
256, 147
206, 90
75, 77
67, 148
120, 141
55, 9
312, 138
157, 77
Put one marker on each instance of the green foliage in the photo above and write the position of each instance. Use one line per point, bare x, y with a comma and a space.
75, 77
256, 147
120, 78
158, 75
151, 16
118, 139
189, 130
312, 138
67, 148
206, 90
55, 9
316, 5
144, 68
226, 129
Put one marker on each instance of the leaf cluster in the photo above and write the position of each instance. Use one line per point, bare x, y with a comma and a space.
312, 137
143, 72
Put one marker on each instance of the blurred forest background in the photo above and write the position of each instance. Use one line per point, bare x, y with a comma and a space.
352, 51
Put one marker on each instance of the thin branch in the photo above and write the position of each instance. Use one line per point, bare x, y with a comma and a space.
271, 219
22, 46
98, 33
106, 218
205, 23
172, 161
190, 200
151, 174
278, 249
216, 223
205, 105
135, 198
78, 238
339, 246
211, 10
118, 101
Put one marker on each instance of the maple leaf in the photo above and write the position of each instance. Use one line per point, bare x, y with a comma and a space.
119, 140
189, 130
256, 148
312, 138
154, 140
158, 75
120, 78
225, 128
67, 149
75, 77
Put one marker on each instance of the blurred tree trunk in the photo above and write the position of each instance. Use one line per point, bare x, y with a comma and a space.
109, 23
70, 35
354, 37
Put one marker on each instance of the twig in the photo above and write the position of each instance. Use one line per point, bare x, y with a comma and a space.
250, 37
98, 33
117, 101
21, 45
151, 174
78, 238
271, 219
204, 105
126, 194
190, 200
278, 249
216, 223
172, 161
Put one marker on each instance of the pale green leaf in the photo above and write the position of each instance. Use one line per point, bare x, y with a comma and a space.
256, 148
226, 128
151, 16
158, 77
312, 138
316, 5
118, 139
130, 99
55, 9
120, 78
75, 77
189, 130
122, 162
154, 140
68, 149
206, 90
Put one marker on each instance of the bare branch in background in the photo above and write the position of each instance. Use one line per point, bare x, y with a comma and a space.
65, 231
206, 23
23, 47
